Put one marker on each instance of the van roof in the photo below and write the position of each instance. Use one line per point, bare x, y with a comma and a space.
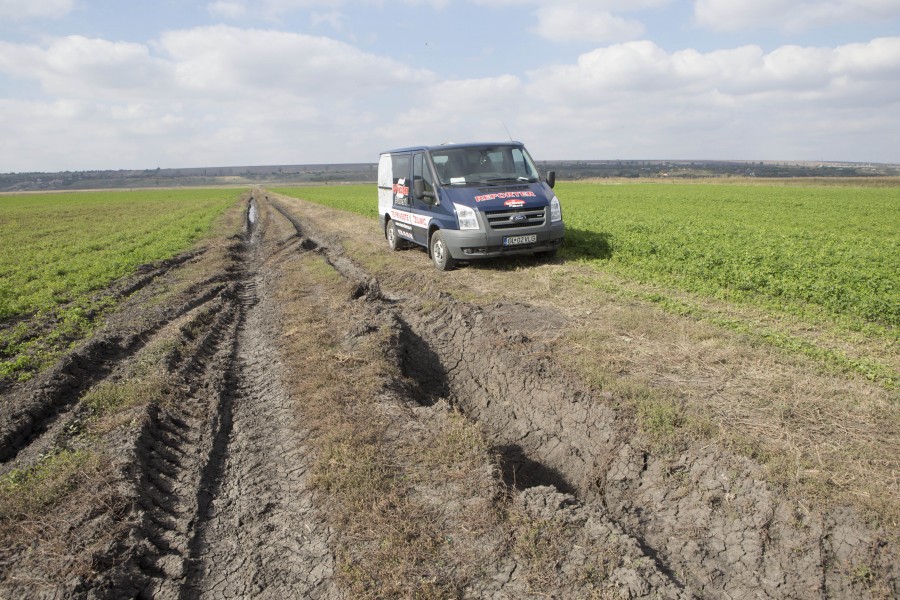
446, 146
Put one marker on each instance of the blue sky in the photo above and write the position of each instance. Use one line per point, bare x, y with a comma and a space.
87, 84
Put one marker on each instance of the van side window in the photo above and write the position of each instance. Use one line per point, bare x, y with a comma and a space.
401, 183
519, 162
421, 171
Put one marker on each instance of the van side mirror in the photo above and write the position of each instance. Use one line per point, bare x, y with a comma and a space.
551, 178
419, 190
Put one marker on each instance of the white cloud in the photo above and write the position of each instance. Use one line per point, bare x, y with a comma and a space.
244, 88
474, 95
211, 60
617, 5
66, 133
224, 95
334, 18
642, 101
456, 110
636, 100
563, 23
20, 10
878, 59
789, 15
228, 9
205, 62
81, 67
640, 67
583, 20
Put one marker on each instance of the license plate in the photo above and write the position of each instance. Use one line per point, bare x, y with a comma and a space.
516, 240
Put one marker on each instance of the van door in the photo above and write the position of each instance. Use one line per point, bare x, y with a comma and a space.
401, 169
422, 207
385, 185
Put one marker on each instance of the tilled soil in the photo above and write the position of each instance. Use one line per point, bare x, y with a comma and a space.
209, 488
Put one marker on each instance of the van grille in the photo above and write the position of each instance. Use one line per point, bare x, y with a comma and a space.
514, 218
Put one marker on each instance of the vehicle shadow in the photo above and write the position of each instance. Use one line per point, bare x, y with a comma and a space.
422, 367
521, 472
581, 243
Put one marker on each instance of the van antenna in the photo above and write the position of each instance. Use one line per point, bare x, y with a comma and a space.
507, 130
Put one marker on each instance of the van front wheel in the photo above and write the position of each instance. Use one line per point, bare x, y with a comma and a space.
440, 254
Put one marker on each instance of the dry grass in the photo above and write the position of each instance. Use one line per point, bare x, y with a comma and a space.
413, 492
541, 544
825, 437
395, 542
58, 515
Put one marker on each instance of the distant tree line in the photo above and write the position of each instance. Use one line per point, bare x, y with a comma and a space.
366, 172
698, 169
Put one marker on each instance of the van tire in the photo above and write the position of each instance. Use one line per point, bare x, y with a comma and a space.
440, 254
393, 238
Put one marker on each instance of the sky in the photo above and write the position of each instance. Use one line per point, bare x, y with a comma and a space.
106, 84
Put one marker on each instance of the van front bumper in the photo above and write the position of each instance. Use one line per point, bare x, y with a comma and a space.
468, 245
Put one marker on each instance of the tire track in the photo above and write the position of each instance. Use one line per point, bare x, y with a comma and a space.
704, 518
442, 357
29, 412
179, 451
213, 474
257, 533
178, 455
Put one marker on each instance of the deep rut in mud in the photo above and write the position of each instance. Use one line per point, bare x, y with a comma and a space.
256, 537
215, 475
222, 474
33, 409
704, 517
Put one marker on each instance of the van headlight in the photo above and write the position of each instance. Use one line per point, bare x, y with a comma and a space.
555, 210
466, 216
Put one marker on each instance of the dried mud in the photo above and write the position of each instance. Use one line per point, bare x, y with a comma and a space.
211, 497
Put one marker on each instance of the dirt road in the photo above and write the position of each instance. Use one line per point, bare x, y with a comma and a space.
293, 411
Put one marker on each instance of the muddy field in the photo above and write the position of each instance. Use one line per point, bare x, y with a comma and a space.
296, 412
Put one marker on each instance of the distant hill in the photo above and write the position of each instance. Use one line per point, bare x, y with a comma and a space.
367, 172
688, 169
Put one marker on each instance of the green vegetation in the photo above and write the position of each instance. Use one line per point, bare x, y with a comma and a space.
26, 492
109, 397
58, 250
804, 250
360, 199
822, 256
826, 256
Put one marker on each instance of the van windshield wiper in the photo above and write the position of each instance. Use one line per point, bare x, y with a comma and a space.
503, 179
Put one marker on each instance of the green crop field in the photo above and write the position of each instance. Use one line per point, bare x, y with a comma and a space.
806, 250
360, 199
829, 256
56, 250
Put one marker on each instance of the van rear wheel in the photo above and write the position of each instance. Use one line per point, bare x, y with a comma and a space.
440, 254
393, 238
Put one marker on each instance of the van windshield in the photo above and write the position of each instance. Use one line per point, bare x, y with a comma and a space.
484, 165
